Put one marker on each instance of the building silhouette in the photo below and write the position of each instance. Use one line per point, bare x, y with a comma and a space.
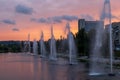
115, 35
89, 25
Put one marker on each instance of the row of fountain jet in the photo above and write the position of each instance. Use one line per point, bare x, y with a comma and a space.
53, 52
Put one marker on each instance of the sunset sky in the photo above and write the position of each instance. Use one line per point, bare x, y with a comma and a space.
18, 18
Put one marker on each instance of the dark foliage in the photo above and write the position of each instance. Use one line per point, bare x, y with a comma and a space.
82, 42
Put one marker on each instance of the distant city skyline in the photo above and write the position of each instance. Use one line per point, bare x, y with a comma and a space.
18, 18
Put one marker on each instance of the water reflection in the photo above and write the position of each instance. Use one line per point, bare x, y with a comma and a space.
14, 67
35, 67
42, 70
27, 67
52, 71
71, 73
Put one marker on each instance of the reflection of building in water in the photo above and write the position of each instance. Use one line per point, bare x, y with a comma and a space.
116, 35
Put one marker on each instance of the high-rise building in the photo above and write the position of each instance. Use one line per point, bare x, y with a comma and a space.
115, 35
89, 25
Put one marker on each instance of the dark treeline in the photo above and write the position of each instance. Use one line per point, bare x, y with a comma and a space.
10, 46
83, 41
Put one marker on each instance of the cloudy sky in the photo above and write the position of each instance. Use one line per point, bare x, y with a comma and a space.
18, 18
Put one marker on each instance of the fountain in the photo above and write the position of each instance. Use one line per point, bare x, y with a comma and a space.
42, 46
96, 64
107, 16
35, 47
53, 55
96, 57
71, 45
29, 47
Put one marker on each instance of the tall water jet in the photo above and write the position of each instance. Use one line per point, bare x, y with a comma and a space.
71, 45
29, 47
35, 47
106, 17
96, 58
53, 55
42, 45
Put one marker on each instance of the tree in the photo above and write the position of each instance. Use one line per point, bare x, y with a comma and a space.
82, 42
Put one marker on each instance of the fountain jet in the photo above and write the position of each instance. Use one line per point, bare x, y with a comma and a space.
35, 47
96, 57
53, 55
42, 45
71, 45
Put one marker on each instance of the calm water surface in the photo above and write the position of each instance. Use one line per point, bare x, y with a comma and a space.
22, 66
26, 67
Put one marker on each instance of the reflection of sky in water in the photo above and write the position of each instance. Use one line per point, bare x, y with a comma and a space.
27, 67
